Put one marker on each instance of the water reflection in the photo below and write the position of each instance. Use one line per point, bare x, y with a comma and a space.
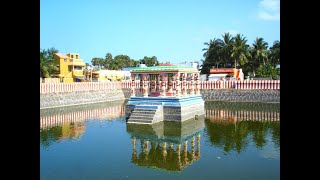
242, 111
166, 145
232, 126
57, 124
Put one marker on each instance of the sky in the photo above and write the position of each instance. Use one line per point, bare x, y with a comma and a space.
172, 30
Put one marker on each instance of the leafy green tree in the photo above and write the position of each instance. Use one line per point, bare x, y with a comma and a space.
47, 67
240, 51
260, 51
108, 60
150, 61
98, 62
121, 61
268, 70
212, 55
227, 42
274, 55
108, 56
259, 55
234, 51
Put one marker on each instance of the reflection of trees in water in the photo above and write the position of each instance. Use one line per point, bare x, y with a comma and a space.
72, 130
275, 133
232, 125
236, 136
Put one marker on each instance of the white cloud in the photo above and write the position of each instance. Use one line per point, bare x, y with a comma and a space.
269, 10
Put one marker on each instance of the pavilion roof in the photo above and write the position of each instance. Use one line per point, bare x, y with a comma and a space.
164, 69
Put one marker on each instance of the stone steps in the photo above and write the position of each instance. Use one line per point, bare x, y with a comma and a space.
140, 111
136, 116
147, 107
145, 114
139, 121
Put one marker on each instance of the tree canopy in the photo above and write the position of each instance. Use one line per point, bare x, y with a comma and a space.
120, 61
256, 60
47, 67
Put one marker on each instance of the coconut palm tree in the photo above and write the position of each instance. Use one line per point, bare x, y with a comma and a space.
260, 50
275, 53
240, 50
212, 54
227, 42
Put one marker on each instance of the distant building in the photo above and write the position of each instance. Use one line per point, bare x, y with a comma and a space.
193, 64
225, 74
109, 75
70, 67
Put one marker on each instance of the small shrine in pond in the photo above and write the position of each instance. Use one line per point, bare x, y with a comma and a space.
164, 93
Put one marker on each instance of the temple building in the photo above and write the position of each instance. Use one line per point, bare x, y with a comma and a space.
164, 93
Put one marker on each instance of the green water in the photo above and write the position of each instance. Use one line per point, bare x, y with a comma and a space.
232, 141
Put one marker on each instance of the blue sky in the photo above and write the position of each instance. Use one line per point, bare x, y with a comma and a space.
171, 30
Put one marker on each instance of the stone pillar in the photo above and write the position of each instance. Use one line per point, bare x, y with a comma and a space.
192, 147
145, 85
146, 148
134, 150
185, 151
184, 84
133, 86
197, 77
134, 143
171, 146
164, 150
163, 85
178, 88
191, 84
198, 145
178, 150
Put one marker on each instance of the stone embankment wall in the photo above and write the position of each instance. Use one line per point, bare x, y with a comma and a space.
238, 95
242, 95
50, 100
